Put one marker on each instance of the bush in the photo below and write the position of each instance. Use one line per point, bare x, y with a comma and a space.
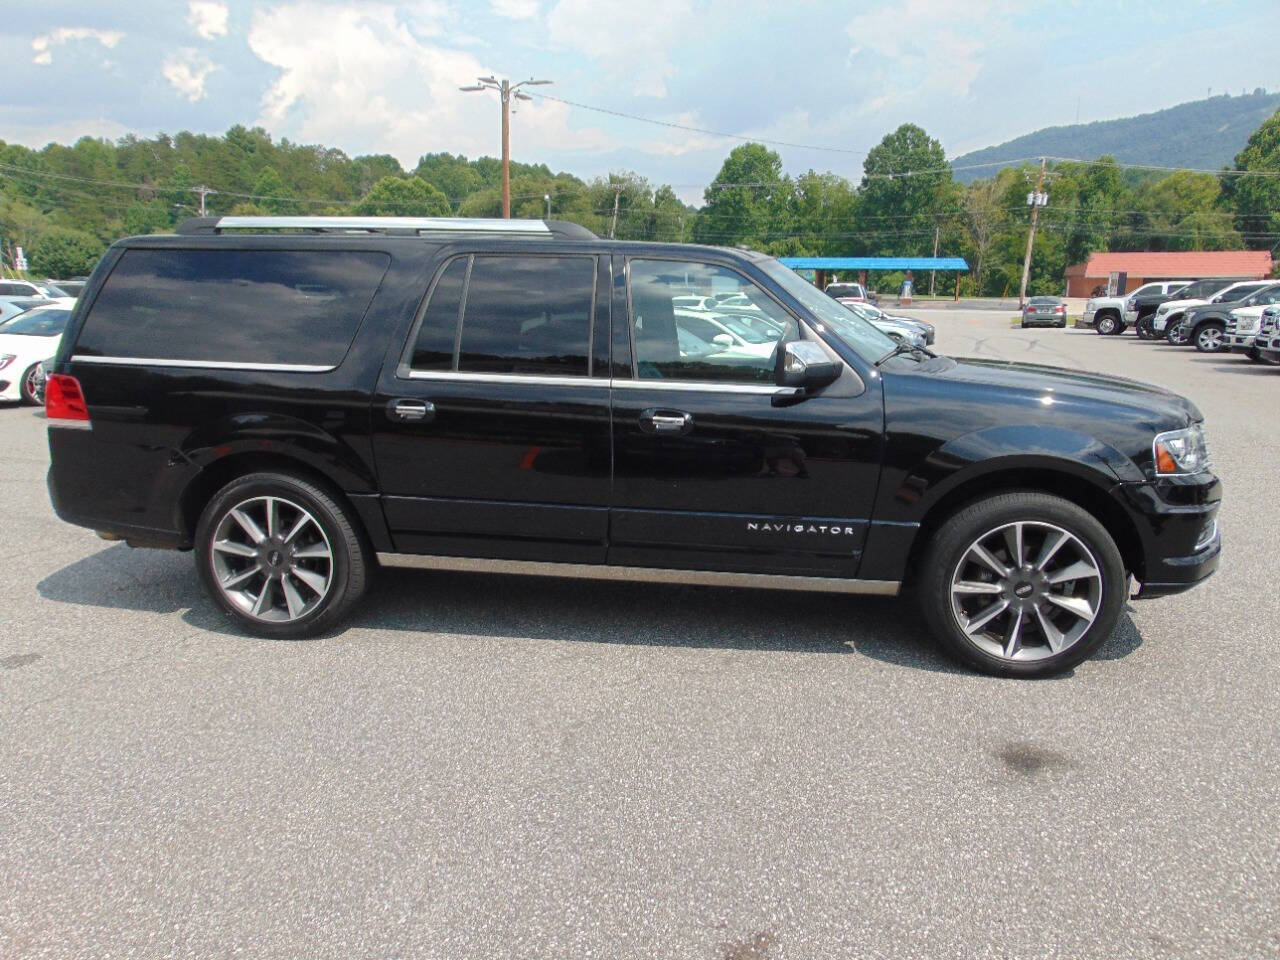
61, 253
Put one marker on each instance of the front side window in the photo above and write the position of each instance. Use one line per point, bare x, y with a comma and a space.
711, 342
509, 315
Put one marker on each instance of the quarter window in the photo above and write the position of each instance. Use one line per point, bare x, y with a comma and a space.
731, 337
240, 306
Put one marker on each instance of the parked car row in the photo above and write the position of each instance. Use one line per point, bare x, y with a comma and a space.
32, 319
1214, 315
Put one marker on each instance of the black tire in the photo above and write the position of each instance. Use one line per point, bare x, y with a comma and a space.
1143, 328
1204, 337
1170, 333
1253, 354
1107, 325
349, 568
1062, 325
26, 388
950, 546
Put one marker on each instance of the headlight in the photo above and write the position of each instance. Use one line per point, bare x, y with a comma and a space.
1181, 451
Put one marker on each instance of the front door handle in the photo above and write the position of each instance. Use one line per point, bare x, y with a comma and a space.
411, 411
667, 423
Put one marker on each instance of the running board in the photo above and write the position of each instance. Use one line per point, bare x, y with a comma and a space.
590, 571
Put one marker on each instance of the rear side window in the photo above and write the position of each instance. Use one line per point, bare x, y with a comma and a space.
279, 307
519, 315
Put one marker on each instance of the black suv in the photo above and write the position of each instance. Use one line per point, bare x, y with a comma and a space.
301, 399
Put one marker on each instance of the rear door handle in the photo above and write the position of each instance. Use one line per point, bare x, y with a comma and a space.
411, 411
669, 423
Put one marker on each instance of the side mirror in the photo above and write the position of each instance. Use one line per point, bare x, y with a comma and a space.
722, 340
802, 363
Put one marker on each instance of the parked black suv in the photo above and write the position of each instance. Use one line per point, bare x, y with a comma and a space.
522, 397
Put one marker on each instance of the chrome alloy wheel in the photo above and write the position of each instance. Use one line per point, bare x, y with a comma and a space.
271, 559
1209, 340
1026, 591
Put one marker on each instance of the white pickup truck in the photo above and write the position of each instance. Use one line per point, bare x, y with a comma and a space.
1113, 315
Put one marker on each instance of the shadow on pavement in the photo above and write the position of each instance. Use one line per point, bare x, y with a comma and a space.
890, 630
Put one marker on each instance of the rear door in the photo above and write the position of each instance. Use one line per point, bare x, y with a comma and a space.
491, 429
711, 470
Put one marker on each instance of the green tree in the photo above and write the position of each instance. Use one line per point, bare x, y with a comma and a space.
270, 193
747, 202
1254, 197
907, 192
408, 197
63, 253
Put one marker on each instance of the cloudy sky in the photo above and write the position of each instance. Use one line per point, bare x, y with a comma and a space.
383, 77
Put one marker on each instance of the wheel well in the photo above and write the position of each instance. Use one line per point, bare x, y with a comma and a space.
221, 472
1081, 493
1108, 312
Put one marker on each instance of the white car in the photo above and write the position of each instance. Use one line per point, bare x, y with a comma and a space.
26, 341
726, 332
25, 288
1111, 315
1197, 295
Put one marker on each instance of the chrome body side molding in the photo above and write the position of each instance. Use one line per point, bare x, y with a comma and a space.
590, 571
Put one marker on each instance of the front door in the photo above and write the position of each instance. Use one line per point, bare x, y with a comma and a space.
491, 432
711, 470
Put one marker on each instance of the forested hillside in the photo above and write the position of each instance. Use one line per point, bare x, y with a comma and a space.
64, 204
1203, 134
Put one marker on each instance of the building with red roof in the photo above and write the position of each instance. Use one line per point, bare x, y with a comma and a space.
1141, 266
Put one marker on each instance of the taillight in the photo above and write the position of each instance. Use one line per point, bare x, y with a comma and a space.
63, 399
1060, 309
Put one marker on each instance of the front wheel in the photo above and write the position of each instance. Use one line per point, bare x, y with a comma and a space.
1022, 584
1107, 325
1143, 328
1209, 338
28, 388
1253, 354
280, 555
1174, 334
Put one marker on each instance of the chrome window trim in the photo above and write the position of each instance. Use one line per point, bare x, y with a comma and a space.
205, 364
590, 571
701, 386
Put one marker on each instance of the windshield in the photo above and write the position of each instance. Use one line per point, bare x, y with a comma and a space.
53, 290
861, 337
40, 322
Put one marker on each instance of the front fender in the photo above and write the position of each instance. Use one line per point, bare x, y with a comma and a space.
1001, 449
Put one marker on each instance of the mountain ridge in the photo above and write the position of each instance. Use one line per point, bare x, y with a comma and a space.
1202, 134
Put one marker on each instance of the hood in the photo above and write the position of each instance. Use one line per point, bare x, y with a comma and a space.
1180, 304
1062, 386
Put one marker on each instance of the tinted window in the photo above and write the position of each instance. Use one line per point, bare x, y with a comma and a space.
675, 343
246, 306
439, 331
15, 290
528, 315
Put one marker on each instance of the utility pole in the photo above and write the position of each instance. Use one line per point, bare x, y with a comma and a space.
613, 227
203, 191
1035, 201
507, 91
937, 232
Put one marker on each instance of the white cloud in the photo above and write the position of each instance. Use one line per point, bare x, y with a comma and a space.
186, 70
43, 45
907, 48
515, 9
362, 77
207, 18
632, 42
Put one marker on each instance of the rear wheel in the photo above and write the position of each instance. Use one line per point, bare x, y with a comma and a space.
1143, 328
1208, 338
280, 555
1022, 584
1107, 325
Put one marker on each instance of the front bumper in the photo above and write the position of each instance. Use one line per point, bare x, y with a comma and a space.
1176, 520
1159, 323
1239, 341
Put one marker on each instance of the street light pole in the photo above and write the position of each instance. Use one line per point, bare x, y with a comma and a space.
506, 92
547, 197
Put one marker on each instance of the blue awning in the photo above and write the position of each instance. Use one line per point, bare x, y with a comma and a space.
874, 263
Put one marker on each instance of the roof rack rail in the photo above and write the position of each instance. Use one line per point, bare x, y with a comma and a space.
393, 226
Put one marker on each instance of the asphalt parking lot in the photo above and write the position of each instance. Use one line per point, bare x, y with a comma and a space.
496, 767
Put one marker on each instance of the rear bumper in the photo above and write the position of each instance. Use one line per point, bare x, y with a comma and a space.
1176, 519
